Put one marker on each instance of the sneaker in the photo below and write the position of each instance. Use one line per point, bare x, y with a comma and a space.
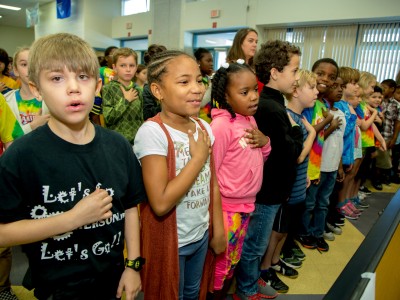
297, 252
360, 202
365, 190
348, 213
308, 242
361, 196
329, 236
291, 261
8, 295
377, 185
238, 296
269, 277
285, 270
265, 290
335, 229
351, 205
322, 245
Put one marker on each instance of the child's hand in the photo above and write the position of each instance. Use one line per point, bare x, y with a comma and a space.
39, 120
336, 123
372, 110
255, 138
130, 283
327, 115
2, 86
310, 129
201, 148
340, 175
218, 244
358, 122
383, 145
130, 95
349, 168
95, 207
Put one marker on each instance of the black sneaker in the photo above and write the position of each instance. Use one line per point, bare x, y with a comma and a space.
285, 270
8, 295
270, 277
322, 245
308, 242
377, 185
291, 261
297, 252
365, 190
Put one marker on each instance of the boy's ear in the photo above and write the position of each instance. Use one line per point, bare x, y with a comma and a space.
99, 85
35, 90
274, 74
156, 91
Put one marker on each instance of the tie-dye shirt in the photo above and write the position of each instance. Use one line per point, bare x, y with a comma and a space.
315, 116
28, 109
367, 137
9, 126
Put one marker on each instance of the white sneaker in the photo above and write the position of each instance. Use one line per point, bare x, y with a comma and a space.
329, 236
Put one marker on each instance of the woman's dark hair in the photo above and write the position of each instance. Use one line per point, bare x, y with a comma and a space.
152, 50
273, 54
108, 51
199, 53
221, 80
4, 58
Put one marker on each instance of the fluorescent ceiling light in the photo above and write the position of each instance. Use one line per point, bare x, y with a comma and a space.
210, 42
10, 7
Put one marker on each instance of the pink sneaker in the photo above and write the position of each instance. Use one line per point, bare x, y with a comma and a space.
353, 208
348, 213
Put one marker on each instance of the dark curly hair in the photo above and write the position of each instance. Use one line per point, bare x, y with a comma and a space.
221, 80
4, 58
152, 50
325, 60
273, 54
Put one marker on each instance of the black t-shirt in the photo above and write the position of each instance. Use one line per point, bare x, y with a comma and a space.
42, 175
286, 145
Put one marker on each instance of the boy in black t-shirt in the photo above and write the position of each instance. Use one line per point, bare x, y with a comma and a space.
70, 189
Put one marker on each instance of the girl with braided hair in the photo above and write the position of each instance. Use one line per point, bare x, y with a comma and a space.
240, 150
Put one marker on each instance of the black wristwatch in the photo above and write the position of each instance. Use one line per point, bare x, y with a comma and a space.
136, 264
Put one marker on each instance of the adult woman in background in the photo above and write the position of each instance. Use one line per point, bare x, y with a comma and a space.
244, 46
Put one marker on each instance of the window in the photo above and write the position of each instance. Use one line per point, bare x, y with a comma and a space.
374, 48
131, 7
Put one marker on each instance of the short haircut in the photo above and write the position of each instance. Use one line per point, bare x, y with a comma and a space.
60, 50
349, 75
365, 79
273, 54
140, 68
4, 58
325, 60
378, 89
200, 52
236, 52
305, 77
124, 52
221, 80
108, 51
390, 83
17, 53
158, 64
152, 50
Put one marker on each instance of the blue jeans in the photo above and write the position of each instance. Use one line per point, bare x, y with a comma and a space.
254, 247
191, 263
317, 202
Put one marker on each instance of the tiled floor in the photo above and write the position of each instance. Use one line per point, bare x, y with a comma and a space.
319, 270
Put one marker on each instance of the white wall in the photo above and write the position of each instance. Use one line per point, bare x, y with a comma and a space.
141, 23
13, 37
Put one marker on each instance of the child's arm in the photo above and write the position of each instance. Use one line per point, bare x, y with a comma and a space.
93, 208
164, 195
379, 137
328, 117
307, 145
365, 124
340, 174
218, 242
130, 279
392, 142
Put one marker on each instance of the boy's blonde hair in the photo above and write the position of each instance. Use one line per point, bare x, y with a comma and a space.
16, 54
305, 77
365, 79
60, 50
124, 52
349, 74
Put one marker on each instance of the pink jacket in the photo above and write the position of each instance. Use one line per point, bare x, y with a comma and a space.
239, 168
